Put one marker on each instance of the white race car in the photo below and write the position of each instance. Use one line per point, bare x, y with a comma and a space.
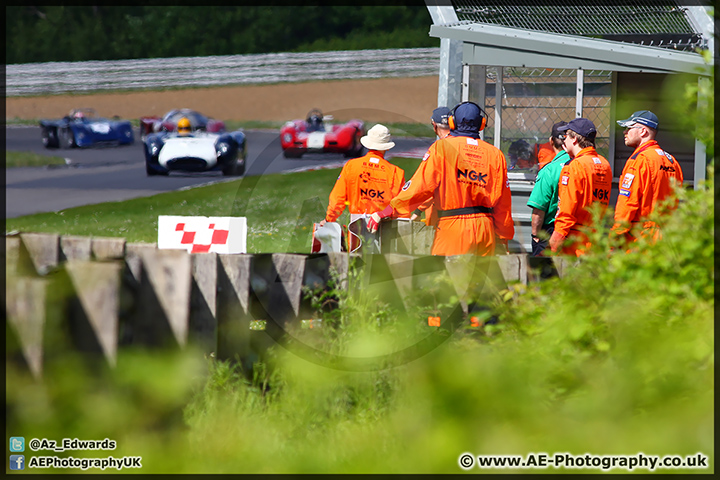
197, 152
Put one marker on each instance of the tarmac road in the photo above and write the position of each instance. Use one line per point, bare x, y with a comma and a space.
109, 174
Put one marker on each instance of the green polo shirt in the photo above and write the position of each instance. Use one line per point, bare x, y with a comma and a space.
544, 195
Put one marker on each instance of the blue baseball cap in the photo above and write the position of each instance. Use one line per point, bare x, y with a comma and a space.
581, 126
643, 117
440, 115
556, 129
468, 117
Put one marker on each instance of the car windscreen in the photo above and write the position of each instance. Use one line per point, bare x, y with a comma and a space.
194, 117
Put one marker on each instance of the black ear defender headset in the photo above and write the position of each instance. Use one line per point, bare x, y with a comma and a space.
483, 116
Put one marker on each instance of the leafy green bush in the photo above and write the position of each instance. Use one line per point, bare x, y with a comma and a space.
615, 358
609, 360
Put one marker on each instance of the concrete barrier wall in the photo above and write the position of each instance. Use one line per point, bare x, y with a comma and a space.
93, 76
101, 294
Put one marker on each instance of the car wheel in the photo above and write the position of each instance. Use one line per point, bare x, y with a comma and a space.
152, 172
236, 169
49, 138
357, 151
292, 153
66, 137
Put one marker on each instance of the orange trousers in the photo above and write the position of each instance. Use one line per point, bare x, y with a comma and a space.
466, 234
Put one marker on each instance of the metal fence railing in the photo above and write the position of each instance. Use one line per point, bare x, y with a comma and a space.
64, 77
533, 99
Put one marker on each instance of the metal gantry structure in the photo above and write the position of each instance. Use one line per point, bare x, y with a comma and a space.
617, 55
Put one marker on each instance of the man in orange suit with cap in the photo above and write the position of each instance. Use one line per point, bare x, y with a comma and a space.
649, 177
584, 180
467, 180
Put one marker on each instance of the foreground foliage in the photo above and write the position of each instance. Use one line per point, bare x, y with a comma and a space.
615, 358
80, 33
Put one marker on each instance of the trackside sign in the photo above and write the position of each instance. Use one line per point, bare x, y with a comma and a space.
203, 234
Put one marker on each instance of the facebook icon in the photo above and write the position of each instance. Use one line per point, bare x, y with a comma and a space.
17, 462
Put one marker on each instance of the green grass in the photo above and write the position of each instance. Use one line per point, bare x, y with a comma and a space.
253, 125
615, 359
27, 159
421, 130
280, 210
21, 121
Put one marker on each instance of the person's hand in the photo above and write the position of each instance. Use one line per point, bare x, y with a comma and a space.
556, 241
413, 217
375, 218
321, 223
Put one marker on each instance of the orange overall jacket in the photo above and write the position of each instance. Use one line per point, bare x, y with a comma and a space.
584, 180
647, 179
544, 153
427, 205
430, 212
462, 173
365, 185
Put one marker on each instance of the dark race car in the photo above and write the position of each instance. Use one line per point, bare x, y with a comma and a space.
83, 128
190, 150
168, 123
316, 134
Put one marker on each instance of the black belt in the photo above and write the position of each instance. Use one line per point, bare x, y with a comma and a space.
463, 211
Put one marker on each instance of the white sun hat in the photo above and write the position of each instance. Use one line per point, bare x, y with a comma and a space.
377, 138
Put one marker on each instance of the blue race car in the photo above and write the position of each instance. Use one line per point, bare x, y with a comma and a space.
82, 128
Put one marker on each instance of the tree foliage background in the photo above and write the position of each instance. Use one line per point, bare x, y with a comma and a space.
80, 33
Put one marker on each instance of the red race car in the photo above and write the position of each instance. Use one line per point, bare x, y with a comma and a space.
168, 123
316, 134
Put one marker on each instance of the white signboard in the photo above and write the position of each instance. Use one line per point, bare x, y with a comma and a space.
203, 234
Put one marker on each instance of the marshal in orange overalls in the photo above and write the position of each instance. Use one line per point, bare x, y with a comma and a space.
584, 180
467, 180
365, 185
648, 178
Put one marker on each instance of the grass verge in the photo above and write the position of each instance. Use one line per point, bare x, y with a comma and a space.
27, 159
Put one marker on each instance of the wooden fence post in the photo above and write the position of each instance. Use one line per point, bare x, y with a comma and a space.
75, 248
94, 318
163, 303
106, 248
43, 250
233, 306
25, 308
203, 301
